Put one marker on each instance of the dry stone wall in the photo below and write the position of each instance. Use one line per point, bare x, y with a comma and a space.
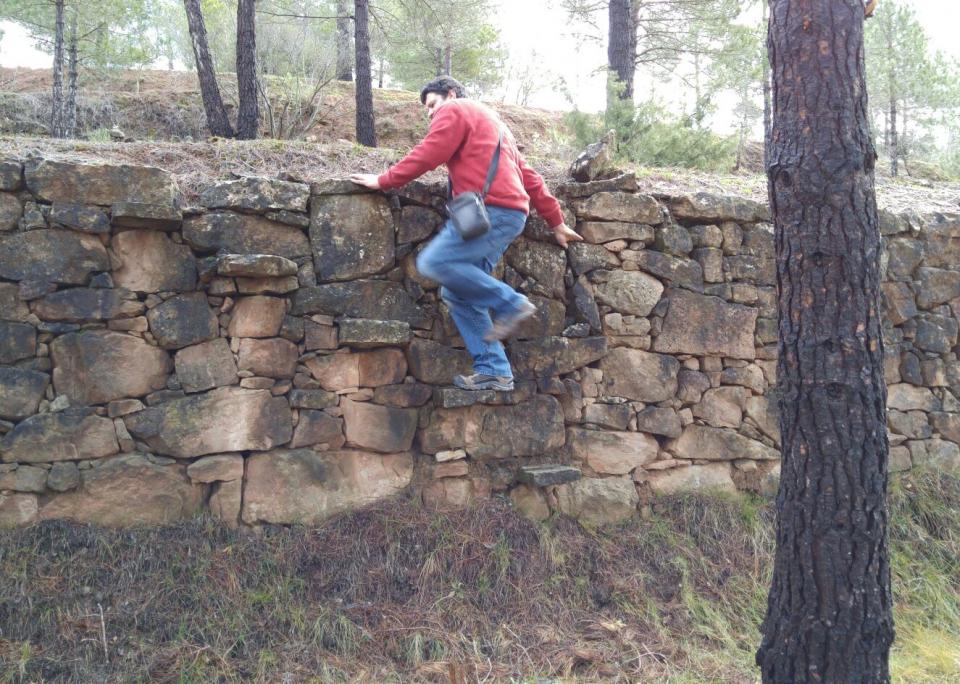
271, 355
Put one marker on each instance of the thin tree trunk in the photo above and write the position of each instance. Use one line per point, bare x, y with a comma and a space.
892, 92
248, 111
344, 58
217, 120
70, 106
766, 95
621, 47
448, 60
56, 122
829, 614
366, 134
380, 73
439, 61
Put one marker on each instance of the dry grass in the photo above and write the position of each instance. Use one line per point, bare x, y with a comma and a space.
398, 593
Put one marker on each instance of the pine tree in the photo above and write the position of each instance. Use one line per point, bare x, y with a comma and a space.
829, 615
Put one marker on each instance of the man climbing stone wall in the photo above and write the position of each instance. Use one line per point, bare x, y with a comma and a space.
271, 354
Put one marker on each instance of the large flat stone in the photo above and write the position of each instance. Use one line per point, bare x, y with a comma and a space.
17, 341
555, 355
146, 215
152, 262
255, 265
618, 206
221, 420
598, 501
128, 490
436, 364
20, 392
10, 211
318, 428
530, 428
378, 428
352, 236
226, 231
183, 320
611, 453
256, 194
374, 299
68, 435
206, 365
696, 478
97, 366
80, 304
704, 325
639, 375
102, 184
718, 444
543, 262
304, 486
630, 292
707, 208
55, 256
270, 358
363, 333
79, 217
257, 316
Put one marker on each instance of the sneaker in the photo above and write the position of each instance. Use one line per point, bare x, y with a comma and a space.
505, 327
482, 381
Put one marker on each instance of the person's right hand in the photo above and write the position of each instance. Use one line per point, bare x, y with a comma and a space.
565, 235
367, 180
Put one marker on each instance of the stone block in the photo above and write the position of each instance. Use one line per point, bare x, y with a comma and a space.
206, 365
98, 366
68, 435
303, 486
183, 320
611, 453
639, 375
704, 325
352, 236
222, 420
257, 316
379, 428
52, 256
128, 490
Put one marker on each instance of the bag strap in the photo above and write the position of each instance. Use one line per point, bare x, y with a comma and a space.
491, 172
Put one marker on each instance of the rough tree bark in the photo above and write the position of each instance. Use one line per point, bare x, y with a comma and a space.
344, 58
829, 615
248, 110
56, 121
366, 135
766, 95
70, 105
621, 46
217, 120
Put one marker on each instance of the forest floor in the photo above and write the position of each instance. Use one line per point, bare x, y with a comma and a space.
160, 112
397, 593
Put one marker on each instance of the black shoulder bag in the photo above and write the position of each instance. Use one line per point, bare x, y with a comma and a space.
466, 210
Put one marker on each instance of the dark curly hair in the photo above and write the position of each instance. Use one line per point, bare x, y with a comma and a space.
442, 85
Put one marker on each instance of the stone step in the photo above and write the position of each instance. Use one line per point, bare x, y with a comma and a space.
547, 474
255, 265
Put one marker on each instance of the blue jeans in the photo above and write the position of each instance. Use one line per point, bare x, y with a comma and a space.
463, 267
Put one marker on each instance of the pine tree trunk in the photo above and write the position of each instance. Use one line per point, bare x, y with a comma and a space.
439, 62
448, 60
829, 614
56, 122
366, 135
70, 106
248, 111
217, 120
621, 48
344, 58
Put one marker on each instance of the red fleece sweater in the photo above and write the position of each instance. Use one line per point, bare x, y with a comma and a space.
463, 134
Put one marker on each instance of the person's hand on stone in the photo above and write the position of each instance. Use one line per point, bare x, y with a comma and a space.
367, 180
565, 235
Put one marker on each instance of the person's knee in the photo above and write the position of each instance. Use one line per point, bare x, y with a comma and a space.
427, 264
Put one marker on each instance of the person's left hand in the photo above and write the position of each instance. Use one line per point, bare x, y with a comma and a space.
367, 180
566, 235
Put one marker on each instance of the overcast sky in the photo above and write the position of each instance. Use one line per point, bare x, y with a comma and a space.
538, 36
